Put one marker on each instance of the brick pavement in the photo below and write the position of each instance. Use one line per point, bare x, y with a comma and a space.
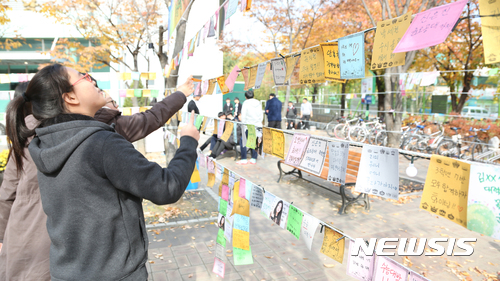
279, 256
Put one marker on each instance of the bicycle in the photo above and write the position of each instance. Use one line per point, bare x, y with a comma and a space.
363, 130
342, 130
329, 128
472, 152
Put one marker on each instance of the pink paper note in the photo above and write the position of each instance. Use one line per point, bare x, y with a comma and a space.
123, 93
211, 166
232, 78
205, 30
23, 78
243, 5
220, 128
297, 148
225, 192
204, 87
219, 267
389, 270
431, 27
243, 188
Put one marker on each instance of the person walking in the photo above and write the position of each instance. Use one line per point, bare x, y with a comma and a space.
306, 112
63, 101
273, 112
251, 113
237, 108
291, 115
193, 104
228, 106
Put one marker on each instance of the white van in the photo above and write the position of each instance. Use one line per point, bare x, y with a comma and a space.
475, 112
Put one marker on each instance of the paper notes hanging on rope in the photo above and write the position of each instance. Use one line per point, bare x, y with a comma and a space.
267, 138
242, 192
294, 222
352, 56
231, 79
242, 257
333, 244
211, 86
242, 222
257, 197
389, 32
279, 71
359, 265
227, 131
314, 156
221, 240
309, 226
261, 70
223, 207
241, 239
483, 208
332, 62
389, 270
222, 84
245, 74
297, 149
267, 204
431, 27
242, 207
278, 143
446, 189
252, 137
219, 267
376, 172
228, 229
252, 77
220, 252
312, 66
198, 121
291, 62
490, 29
337, 158
279, 212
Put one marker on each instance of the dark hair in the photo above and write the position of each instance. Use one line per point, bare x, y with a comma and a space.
221, 114
277, 218
304, 99
228, 99
272, 95
290, 101
20, 89
236, 99
249, 94
228, 113
44, 93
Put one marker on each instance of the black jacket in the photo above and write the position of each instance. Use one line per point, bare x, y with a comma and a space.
227, 108
239, 106
192, 106
92, 182
290, 114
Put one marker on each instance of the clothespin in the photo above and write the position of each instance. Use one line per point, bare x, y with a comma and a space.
321, 229
281, 55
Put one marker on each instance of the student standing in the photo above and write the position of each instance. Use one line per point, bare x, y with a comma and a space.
251, 113
306, 112
291, 115
228, 106
273, 111
237, 108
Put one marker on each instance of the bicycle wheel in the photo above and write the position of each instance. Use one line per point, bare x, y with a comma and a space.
447, 148
330, 127
381, 138
357, 134
340, 131
477, 149
412, 144
372, 134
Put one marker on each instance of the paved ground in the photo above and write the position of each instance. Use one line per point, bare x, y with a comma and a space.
187, 252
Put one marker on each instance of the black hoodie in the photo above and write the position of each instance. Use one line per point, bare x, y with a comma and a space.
92, 182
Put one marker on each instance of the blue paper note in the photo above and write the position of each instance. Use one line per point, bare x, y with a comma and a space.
241, 222
352, 56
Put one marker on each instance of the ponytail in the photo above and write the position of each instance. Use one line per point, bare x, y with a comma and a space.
17, 131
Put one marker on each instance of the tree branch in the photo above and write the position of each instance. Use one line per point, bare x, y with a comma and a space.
369, 14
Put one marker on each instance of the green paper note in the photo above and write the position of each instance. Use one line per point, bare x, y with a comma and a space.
252, 137
221, 240
199, 119
493, 71
223, 207
242, 257
294, 223
137, 93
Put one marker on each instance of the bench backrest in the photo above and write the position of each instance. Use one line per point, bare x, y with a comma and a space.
353, 161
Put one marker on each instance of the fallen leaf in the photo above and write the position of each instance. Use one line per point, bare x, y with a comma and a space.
329, 265
192, 237
190, 275
269, 257
465, 273
445, 235
229, 251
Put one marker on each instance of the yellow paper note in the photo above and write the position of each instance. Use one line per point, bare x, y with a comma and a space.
222, 84
120, 75
144, 75
291, 62
278, 143
241, 207
252, 76
228, 130
130, 94
244, 73
195, 177
211, 180
211, 86
225, 177
179, 116
178, 142
331, 247
332, 62
389, 33
236, 191
144, 108
267, 138
446, 188
152, 75
127, 111
491, 41
127, 76
241, 239
487, 8
204, 124
312, 66
146, 93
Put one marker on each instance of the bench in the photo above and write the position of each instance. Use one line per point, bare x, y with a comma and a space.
350, 180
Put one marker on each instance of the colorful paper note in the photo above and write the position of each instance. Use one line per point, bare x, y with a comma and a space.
446, 189
279, 71
257, 197
312, 66
314, 156
332, 62
242, 257
220, 252
278, 143
309, 226
333, 244
248, 191
360, 266
211, 86
227, 131
252, 77
241, 222
252, 137
219, 267
241, 206
198, 121
244, 72
242, 190
220, 128
376, 172
223, 207
337, 157
267, 138
236, 191
195, 177
389, 270
241, 239
431, 27
291, 62
297, 149
225, 192
279, 212
491, 41
222, 84
352, 56
228, 229
267, 204
483, 207
294, 222
232, 77
221, 240
261, 70
231, 8
388, 34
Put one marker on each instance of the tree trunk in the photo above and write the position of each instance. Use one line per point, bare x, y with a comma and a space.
381, 89
342, 99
